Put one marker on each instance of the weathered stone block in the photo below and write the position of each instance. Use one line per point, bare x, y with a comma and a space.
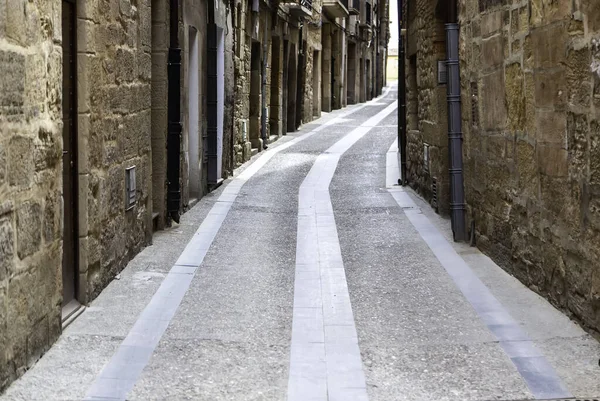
544, 12
594, 152
530, 107
515, 97
550, 89
2, 164
83, 83
578, 279
29, 228
551, 127
7, 246
12, 86
112, 191
577, 145
579, 84
552, 160
47, 151
51, 218
125, 65
562, 200
126, 8
16, 28
20, 161
37, 341
491, 23
549, 53
591, 9
144, 66
86, 40
82, 206
19, 289
493, 109
145, 30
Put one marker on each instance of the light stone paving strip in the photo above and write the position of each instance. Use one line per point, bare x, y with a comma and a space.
325, 361
536, 371
119, 376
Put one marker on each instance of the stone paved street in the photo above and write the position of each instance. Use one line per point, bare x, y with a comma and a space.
311, 275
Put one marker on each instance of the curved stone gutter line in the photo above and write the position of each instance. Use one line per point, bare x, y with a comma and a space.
120, 374
325, 360
540, 377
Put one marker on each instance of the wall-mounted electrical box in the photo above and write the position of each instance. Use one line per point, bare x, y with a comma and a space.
130, 189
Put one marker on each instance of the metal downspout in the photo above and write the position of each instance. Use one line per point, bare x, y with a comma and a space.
174, 115
457, 192
402, 140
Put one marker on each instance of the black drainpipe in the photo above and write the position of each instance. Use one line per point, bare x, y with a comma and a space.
211, 98
174, 115
402, 97
457, 191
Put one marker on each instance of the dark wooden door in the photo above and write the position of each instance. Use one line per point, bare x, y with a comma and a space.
69, 151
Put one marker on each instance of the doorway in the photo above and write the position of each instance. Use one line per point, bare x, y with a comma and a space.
369, 81
255, 87
220, 100
316, 97
69, 106
301, 77
292, 88
363, 91
285, 78
351, 90
332, 88
193, 117
274, 113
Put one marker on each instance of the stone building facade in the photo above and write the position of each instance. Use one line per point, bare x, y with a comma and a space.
75, 119
530, 88
90, 162
30, 184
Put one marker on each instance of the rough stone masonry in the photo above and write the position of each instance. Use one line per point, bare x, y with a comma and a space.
530, 81
30, 183
532, 144
113, 122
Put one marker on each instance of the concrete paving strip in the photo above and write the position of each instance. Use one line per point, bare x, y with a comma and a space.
536, 371
120, 374
325, 361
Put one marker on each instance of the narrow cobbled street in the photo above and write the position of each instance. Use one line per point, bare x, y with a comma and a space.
311, 275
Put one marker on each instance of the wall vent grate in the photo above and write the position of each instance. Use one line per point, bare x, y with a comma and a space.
130, 186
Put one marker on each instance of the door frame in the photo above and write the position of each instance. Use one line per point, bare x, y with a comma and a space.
72, 306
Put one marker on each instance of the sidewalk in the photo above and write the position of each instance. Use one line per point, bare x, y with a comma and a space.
187, 321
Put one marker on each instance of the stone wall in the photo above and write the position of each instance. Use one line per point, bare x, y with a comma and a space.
241, 59
531, 121
30, 182
426, 103
312, 94
114, 72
